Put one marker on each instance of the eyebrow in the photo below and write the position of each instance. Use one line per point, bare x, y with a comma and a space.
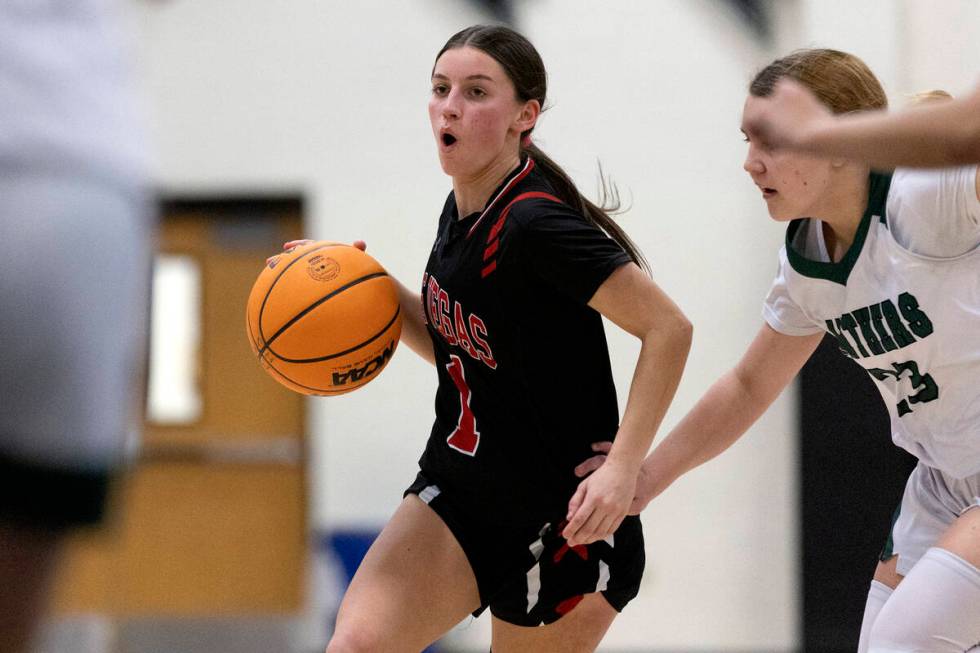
477, 76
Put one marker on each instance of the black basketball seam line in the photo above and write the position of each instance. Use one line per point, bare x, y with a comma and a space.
279, 276
319, 391
345, 352
322, 391
305, 311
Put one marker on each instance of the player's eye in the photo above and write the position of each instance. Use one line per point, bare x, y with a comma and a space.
439, 89
477, 92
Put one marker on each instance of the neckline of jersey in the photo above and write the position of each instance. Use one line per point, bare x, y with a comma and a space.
470, 222
878, 185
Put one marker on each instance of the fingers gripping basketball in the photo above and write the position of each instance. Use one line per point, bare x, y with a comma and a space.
323, 318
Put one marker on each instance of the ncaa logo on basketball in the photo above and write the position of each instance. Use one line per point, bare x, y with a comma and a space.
323, 268
373, 366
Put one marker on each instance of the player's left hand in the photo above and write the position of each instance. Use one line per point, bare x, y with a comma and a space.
589, 465
600, 503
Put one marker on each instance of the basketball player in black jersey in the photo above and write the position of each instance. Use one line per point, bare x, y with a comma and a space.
522, 269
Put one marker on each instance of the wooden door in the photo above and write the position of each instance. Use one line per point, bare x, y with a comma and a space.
212, 518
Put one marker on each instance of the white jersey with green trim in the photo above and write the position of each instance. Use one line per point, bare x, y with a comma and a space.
904, 303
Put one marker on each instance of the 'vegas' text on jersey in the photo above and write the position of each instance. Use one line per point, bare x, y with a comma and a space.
456, 326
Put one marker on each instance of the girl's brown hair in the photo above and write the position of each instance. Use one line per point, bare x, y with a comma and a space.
523, 65
840, 80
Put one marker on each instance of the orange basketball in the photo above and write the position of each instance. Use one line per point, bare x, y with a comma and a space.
323, 319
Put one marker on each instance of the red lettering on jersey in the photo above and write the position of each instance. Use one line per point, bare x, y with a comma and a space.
470, 334
445, 320
477, 327
464, 338
431, 297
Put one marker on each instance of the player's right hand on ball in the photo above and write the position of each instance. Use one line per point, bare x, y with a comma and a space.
589, 465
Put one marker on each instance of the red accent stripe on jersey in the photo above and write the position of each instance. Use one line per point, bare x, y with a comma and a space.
487, 270
491, 250
492, 242
528, 167
532, 195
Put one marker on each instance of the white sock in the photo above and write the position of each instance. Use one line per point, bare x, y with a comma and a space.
935, 609
877, 596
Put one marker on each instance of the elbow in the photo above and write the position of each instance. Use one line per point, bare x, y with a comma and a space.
685, 332
678, 332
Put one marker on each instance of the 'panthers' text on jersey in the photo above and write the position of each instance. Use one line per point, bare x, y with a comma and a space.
904, 302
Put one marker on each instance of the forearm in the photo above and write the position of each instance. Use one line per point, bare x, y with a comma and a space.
936, 135
659, 367
414, 333
723, 414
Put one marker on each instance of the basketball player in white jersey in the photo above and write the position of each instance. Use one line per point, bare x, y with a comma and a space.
74, 273
889, 265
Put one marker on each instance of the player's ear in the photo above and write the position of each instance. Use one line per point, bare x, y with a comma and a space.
528, 116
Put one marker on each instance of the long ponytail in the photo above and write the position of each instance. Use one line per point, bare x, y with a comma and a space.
599, 214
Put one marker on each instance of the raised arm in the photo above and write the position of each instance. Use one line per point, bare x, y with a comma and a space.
935, 134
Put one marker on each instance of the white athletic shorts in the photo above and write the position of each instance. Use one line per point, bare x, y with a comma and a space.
931, 503
74, 279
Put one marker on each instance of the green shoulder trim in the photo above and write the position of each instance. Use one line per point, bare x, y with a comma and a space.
878, 185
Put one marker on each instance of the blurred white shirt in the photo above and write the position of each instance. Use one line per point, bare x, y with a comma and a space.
67, 101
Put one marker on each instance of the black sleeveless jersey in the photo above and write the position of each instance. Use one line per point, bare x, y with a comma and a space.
525, 384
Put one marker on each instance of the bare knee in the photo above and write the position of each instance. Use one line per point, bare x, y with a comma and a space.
886, 572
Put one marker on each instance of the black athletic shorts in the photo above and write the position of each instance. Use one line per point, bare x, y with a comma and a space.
526, 573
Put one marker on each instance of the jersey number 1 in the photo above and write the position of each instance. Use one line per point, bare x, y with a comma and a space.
465, 438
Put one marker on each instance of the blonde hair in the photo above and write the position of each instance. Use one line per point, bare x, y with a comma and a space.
840, 80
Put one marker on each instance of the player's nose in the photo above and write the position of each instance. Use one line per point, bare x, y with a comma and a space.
753, 163
452, 107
